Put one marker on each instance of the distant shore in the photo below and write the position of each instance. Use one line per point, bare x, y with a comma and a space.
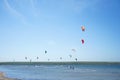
3, 77
56, 63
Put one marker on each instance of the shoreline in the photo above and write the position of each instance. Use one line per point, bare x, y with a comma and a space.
3, 77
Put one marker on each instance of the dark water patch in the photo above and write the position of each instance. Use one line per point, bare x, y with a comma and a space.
59, 63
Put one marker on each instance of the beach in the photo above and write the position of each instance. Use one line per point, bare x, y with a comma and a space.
3, 77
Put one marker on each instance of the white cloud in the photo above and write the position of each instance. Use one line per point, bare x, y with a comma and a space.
15, 12
82, 5
34, 9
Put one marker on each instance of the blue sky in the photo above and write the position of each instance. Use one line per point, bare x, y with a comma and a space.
29, 27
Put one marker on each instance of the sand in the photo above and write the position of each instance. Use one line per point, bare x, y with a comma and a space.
2, 77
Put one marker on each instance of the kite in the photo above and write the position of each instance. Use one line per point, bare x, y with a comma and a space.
76, 59
73, 50
82, 41
37, 57
26, 58
45, 51
60, 57
83, 28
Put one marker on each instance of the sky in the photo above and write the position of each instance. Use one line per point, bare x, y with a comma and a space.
29, 27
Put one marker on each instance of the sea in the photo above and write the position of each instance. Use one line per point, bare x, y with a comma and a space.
62, 71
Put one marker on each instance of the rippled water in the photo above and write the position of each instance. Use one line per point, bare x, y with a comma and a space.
63, 72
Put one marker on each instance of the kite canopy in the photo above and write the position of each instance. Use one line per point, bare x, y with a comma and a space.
73, 50
37, 57
76, 59
83, 28
45, 51
60, 57
48, 59
82, 41
25, 57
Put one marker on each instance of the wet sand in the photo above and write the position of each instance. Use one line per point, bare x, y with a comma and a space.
3, 77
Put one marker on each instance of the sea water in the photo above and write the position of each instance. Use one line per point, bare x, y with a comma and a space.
63, 71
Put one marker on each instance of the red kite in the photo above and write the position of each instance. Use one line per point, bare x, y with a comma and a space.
82, 41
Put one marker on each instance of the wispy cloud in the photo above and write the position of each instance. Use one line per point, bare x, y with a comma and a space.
32, 2
82, 5
14, 12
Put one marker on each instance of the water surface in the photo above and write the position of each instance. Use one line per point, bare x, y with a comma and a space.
62, 71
